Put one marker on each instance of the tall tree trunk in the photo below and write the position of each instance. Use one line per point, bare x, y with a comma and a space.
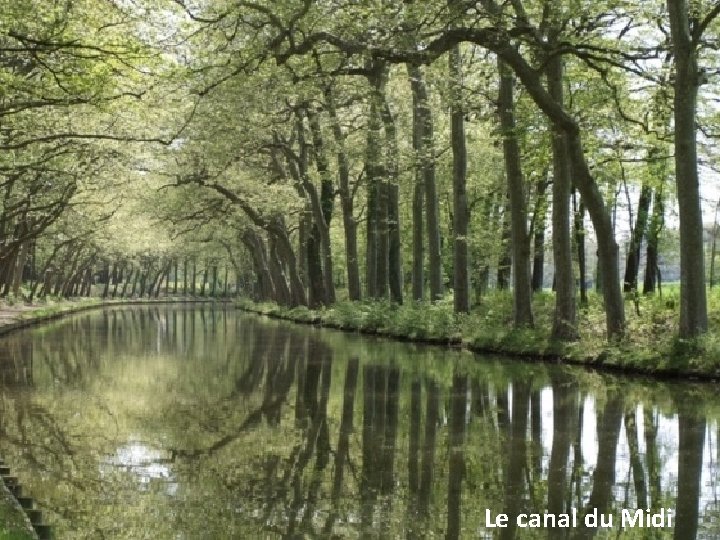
522, 300
565, 315
418, 141
346, 199
323, 205
373, 225
693, 301
461, 278
432, 211
395, 276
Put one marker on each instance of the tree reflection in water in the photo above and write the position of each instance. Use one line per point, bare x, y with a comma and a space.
167, 422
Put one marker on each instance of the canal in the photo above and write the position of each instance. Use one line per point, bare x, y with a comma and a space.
171, 422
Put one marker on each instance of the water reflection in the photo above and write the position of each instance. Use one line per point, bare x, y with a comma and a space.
165, 422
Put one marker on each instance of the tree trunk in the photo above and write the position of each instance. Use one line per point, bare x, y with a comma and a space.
505, 257
395, 244
565, 315
579, 226
203, 282
693, 301
522, 299
322, 206
120, 269
144, 279
418, 140
194, 277
539, 218
461, 278
266, 286
129, 278
316, 283
106, 289
213, 291
432, 211
633, 257
285, 251
346, 199
395, 276
376, 255
19, 267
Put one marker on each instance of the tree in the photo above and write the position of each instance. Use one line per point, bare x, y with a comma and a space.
687, 29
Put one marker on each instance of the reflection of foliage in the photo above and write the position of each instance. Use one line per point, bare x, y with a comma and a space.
154, 422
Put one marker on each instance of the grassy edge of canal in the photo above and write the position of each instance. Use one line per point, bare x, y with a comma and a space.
651, 348
13, 317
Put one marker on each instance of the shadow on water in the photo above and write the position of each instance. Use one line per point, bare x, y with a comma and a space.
171, 422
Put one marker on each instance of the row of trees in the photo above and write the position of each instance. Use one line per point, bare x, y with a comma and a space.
395, 150
360, 102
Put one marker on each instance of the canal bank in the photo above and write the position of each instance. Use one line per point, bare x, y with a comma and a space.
652, 351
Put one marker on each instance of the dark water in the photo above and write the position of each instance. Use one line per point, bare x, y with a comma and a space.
174, 423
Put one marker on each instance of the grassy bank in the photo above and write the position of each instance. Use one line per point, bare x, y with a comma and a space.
650, 346
19, 315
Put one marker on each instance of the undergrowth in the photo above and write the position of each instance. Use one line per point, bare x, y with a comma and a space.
650, 343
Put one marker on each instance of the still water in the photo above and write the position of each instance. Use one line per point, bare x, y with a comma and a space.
204, 423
